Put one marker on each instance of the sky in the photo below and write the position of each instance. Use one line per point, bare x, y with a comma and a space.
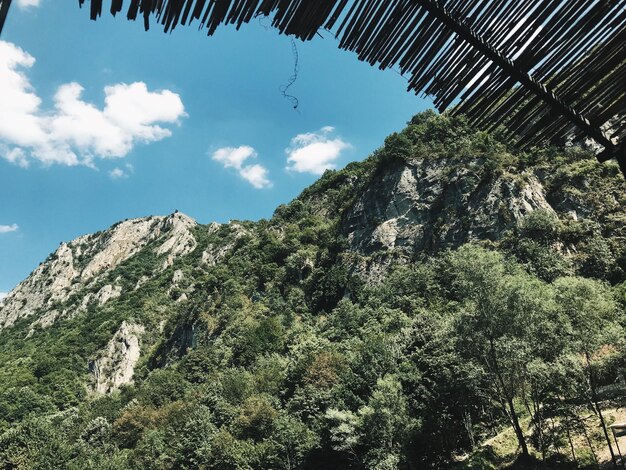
102, 121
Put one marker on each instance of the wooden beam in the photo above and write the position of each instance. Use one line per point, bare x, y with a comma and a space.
4, 10
518, 73
548, 70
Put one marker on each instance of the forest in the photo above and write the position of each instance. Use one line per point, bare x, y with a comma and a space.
502, 350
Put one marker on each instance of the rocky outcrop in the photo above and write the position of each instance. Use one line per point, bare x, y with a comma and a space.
430, 205
216, 252
115, 365
180, 239
119, 243
84, 262
51, 282
158, 271
106, 293
420, 206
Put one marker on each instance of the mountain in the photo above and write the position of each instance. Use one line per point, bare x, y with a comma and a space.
329, 336
82, 265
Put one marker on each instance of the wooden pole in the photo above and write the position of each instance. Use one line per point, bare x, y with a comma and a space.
4, 10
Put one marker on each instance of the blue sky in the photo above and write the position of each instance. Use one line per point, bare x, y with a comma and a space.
101, 121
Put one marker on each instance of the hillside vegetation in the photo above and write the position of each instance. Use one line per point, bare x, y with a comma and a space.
449, 302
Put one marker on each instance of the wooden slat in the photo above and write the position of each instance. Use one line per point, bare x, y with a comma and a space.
4, 10
552, 69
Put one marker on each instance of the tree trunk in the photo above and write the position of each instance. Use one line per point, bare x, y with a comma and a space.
593, 453
596, 405
467, 422
518, 429
565, 413
509, 401
535, 413
571, 443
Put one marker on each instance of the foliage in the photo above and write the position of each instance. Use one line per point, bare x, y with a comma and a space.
283, 356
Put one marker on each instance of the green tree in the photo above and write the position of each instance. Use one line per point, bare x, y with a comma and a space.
497, 322
385, 424
591, 312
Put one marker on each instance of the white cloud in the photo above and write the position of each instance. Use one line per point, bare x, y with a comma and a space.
3, 295
256, 175
121, 173
76, 132
235, 157
117, 173
28, 3
9, 228
315, 152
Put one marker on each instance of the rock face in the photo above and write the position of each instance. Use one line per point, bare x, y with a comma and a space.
124, 240
422, 206
86, 261
108, 292
215, 253
417, 206
115, 365
180, 239
138, 272
52, 281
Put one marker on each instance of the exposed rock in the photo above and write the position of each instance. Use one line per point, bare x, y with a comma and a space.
115, 365
217, 252
87, 300
371, 269
214, 254
52, 281
180, 239
85, 260
107, 293
45, 320
178, 276
424, 206
121, 242
142, 280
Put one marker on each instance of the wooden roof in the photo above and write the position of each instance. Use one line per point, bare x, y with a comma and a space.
4, 9
549, 70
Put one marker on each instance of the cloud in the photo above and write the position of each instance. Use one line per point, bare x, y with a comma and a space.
9, 228
315, 152
121, 173
23, 4
117, 173
3, 295
75, 132
256, 175
231, 157
235, 157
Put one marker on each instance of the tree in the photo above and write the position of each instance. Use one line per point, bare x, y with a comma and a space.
591, 313
496, 325
385, 424
293, 441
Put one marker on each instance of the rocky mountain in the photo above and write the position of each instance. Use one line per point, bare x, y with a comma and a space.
85, 263
413, 206
162, 294
421, 206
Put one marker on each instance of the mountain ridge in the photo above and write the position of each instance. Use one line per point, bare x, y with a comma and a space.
416, 206
154, 312
410, 194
